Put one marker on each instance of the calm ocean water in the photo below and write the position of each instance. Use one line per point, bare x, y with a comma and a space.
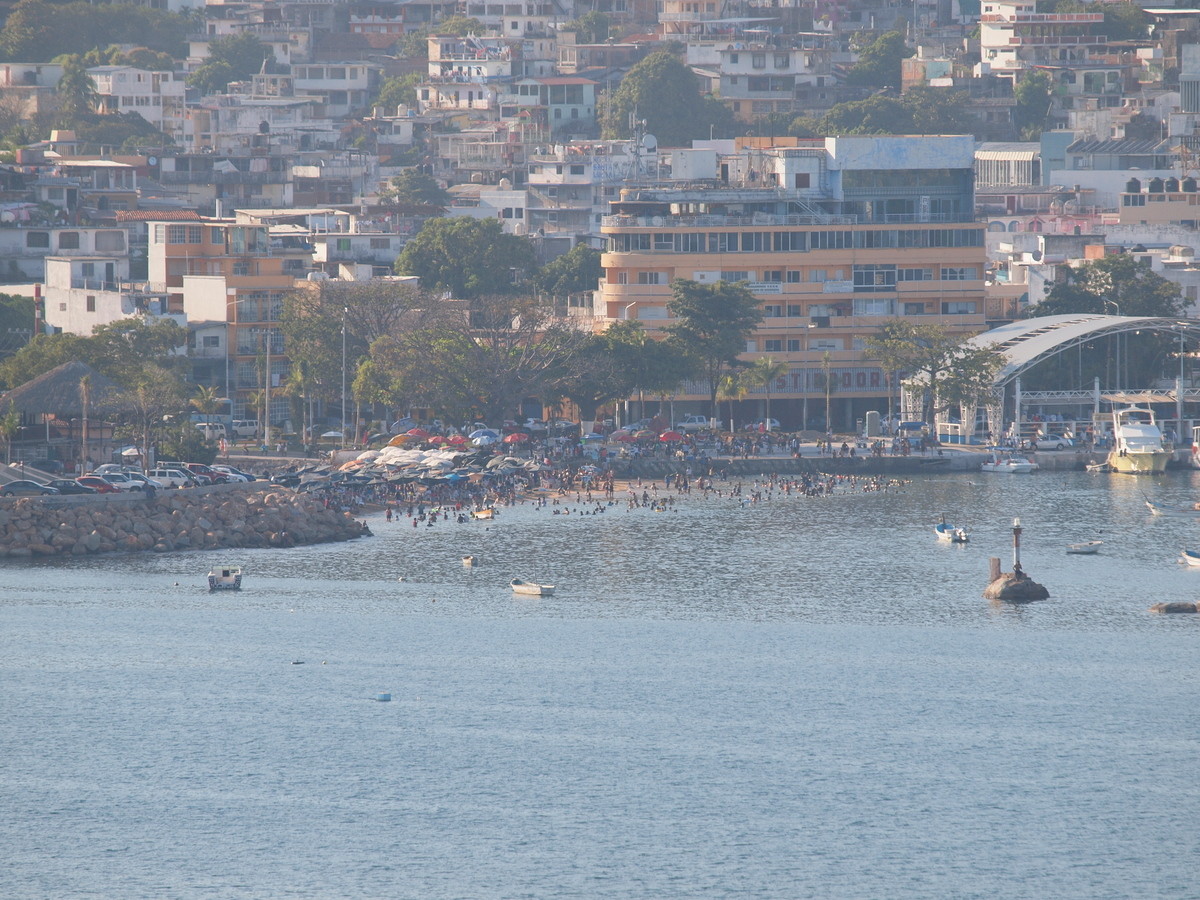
803, 698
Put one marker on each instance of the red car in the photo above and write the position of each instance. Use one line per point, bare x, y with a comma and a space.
98, 484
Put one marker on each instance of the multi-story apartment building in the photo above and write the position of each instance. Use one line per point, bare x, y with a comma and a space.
224, 273
1014, 36
833, 237
158, 97
757, 79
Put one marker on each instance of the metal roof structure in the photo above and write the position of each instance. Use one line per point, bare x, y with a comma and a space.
1027, 342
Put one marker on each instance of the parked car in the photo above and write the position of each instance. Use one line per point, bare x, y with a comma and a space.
140, 479
244, 428
690, 424
67, 486
202, 471
168, 476
1054, 442
98, 484
234, 474
119, 480
212, 431
25, 488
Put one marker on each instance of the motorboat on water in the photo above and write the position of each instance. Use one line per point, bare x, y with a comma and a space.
228, 578
1008, 463
531, 588
1190, 558
1138, 447
947, 532
1085, 548
486, 513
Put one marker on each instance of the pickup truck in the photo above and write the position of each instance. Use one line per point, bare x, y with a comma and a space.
690, 424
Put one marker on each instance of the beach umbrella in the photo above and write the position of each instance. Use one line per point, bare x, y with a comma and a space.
418, 432
670, 436
625, 438
644, 434
438, 439
456, 439
484, 440
516, 437
130, 451
401, 439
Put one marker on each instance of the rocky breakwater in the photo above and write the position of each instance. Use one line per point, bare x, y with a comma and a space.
183, 520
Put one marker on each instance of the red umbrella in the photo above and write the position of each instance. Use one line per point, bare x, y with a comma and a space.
456, 439
438, 439
516, 437
625, 438
643, 434
670, 436
418, 432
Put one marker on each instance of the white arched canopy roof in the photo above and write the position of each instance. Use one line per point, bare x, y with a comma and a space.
1027, 342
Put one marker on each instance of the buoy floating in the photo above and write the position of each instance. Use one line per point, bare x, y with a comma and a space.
383, 698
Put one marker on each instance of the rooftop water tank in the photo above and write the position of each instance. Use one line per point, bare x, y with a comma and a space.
1133, 186
1188, 185
1172, 185
1155, 186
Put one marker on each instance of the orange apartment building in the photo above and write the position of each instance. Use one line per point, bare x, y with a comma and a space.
224, 278
833, 236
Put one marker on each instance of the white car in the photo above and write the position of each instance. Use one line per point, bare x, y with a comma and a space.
170, 478
691, 424
120, 481
231, 474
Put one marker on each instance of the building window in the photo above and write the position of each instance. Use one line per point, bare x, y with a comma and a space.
37, 239
91, 302
959, 308
576, 169
871, 277
212, 340
773, 275
795, 276
68, 240
914, 309
771, 345
914, 274
801, 179
381, 243
651, 278
816, 276
733, 58
735, 276
782, 60
773, 311
343, 245
758, 60
793, 345
965, 273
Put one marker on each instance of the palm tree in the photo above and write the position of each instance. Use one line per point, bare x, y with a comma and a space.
10, 424
733, 386
765, 371
826, 359
208, 402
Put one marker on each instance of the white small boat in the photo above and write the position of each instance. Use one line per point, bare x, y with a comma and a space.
225, 579
531, 588
1085, 548
1009, 464
1098, 468
947, 532
488, 513
468, 561
1174, 512
1190, 558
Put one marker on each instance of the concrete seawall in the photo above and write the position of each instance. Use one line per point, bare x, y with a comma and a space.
218, 517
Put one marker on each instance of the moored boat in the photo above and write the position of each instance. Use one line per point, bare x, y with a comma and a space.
1008, 463
487, 513
947, 532
1189, 558
1085, 548
228, 578
1138, 447
1174, 512
532, 588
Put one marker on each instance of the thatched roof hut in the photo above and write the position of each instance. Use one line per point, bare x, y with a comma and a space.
58, 394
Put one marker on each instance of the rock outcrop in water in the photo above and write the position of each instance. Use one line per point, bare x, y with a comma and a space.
263, 517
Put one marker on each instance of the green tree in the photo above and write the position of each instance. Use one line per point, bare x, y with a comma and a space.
414, 186
922, 110
661, 91
207, 402
16, 323
1032, 112
1118, 284
156, 395
575, 271
654, 366
37, 31
41, 354
232, 57
949, 371
733, 386
592, 376
123, 349
398, 91
712, 324
764, 372
10, 426
76, 92
467, 257
591, 28
879, 64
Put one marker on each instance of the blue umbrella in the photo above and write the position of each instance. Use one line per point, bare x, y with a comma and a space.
484, 432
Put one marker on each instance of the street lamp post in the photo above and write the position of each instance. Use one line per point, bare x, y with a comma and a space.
345, 309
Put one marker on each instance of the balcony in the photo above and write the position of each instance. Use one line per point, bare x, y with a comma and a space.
711, 221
